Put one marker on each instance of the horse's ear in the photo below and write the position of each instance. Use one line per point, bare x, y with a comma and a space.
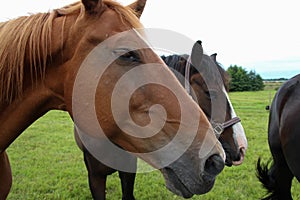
92, 6
138, 7
197, 54
214, 57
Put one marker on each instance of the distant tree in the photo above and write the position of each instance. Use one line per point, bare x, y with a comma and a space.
241, 80
276, 79
256, 81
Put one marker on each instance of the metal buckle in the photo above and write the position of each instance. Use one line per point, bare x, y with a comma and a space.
218, 129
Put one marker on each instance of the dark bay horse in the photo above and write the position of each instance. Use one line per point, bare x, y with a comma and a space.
210, 86
42, 57
283, 138
207, 92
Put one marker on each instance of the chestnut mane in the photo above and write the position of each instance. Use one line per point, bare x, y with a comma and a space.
26, 44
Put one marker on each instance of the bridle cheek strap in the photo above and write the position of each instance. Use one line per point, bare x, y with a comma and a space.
187, 76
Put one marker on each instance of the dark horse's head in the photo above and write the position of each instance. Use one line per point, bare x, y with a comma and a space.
208, 84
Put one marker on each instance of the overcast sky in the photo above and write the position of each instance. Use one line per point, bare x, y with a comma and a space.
260, 35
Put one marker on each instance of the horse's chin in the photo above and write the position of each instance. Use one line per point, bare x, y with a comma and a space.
186, 190
174, 184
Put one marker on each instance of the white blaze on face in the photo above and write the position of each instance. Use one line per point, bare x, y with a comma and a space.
238, 130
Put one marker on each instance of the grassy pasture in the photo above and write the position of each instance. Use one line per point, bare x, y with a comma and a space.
272, 85
47, 164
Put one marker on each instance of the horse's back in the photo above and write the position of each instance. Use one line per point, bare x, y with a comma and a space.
284, 124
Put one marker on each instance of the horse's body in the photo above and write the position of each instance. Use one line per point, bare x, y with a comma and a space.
40, 59
232, 137
283, 138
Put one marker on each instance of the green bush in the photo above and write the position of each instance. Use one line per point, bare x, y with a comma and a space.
241, 80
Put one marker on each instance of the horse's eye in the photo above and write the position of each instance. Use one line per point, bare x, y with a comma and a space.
197, 82
127, 55
211, 94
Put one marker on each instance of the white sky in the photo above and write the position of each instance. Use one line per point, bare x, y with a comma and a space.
261, 35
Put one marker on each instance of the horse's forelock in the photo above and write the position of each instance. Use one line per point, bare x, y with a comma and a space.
176, 62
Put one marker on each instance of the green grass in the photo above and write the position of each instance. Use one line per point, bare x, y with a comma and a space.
47, 164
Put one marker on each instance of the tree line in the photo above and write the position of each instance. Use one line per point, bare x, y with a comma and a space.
242, 80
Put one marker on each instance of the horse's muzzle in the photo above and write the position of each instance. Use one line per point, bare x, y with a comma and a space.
182, 178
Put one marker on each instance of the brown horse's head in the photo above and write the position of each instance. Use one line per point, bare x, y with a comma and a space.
137, 102
89, 59
211, 87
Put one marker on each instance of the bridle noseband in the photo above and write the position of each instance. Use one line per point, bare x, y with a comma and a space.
218, 128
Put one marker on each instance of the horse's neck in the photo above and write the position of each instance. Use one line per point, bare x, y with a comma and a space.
42, 96
38, 98
16, 116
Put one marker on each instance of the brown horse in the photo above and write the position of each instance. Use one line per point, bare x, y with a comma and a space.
283, 138
41, 57
207, 93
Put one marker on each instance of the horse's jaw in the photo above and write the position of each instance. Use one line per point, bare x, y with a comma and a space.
183, 187
174, 184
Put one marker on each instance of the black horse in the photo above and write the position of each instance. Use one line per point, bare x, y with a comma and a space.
284, 142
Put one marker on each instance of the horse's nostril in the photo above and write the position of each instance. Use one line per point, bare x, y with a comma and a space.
214, 165
242, 151
240, 158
